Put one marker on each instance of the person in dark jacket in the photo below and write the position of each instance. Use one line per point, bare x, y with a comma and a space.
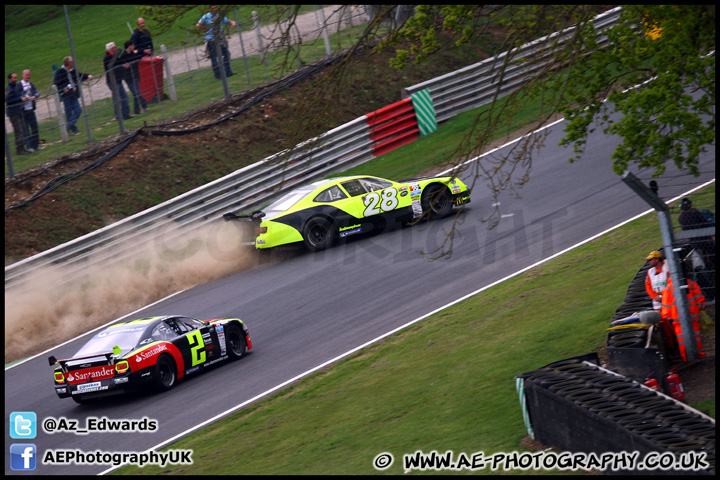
115, 73
13, 100
67, 80
30, 93
129, 60
142, 39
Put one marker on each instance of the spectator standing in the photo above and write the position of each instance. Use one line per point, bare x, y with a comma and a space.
67, 80
13, 100
212, 24
117, 72
142, 39
29, 95
702, 259
129, 60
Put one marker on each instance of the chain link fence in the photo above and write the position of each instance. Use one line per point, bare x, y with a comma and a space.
179, 80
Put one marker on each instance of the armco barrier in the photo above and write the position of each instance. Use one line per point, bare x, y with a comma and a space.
476, 85
255, 185
575, 405
249, 187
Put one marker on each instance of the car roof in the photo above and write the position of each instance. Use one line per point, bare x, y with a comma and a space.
147, 321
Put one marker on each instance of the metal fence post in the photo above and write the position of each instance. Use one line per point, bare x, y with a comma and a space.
261, 47
168, 73
242, 45
62, 126
323, 25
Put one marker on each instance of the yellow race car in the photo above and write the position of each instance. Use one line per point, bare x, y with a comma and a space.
327, 210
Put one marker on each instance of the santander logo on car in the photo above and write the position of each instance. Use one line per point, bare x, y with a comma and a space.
150, 353
98, 373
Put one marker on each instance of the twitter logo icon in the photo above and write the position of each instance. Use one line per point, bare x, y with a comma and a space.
23, 425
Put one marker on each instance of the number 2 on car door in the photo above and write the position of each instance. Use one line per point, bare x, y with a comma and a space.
197, 347
377, 202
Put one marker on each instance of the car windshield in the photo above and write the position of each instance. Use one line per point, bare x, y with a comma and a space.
126, 337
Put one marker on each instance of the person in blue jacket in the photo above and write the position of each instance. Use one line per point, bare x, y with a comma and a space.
212, 24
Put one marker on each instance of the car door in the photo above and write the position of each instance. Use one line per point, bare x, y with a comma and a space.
384, 198
192, 343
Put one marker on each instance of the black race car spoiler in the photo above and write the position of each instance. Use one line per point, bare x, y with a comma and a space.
255, 216
63, 363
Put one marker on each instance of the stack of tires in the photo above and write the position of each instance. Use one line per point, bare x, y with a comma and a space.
580, 407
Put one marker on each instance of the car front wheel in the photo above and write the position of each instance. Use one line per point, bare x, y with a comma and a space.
235, 342
438, 201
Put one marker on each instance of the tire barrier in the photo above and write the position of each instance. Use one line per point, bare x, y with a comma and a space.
577, 406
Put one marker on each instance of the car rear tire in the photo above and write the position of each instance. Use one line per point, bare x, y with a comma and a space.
437, 200
165, 373
318, 234
79, 399
235, 339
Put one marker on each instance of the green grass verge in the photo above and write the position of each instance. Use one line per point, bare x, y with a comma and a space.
445, 383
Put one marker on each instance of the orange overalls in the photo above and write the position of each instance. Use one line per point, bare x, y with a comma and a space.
669, 314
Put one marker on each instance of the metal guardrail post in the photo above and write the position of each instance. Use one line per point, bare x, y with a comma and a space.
168, 74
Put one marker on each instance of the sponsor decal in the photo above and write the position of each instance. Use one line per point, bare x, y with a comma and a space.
144, 355
113, 331
88, 386
88, 390
120, 380
215, 361
220, 330
260, 241
98, 373
191, 370
342, 229
350, 232
403, 194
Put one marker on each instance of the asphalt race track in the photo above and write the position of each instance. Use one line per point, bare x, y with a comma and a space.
311, 308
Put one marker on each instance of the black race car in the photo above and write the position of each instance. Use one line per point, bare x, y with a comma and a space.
149, 352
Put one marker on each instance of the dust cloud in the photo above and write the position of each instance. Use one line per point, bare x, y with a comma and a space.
58, 303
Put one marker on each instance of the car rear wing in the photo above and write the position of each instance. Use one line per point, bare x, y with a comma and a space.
255, 216
63, 363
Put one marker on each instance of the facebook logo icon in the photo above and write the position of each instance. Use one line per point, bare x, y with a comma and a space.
22, 456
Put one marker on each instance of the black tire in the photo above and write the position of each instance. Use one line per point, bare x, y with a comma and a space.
235, 342
165, 373
79, 399
318, 234
437, 200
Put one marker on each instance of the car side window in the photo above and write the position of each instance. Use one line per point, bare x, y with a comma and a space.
177, 326
354, 188
162, 332
374, 184
190, 323
330, 195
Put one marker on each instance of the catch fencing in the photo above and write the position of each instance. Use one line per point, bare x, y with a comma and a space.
339, 149
183, 73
